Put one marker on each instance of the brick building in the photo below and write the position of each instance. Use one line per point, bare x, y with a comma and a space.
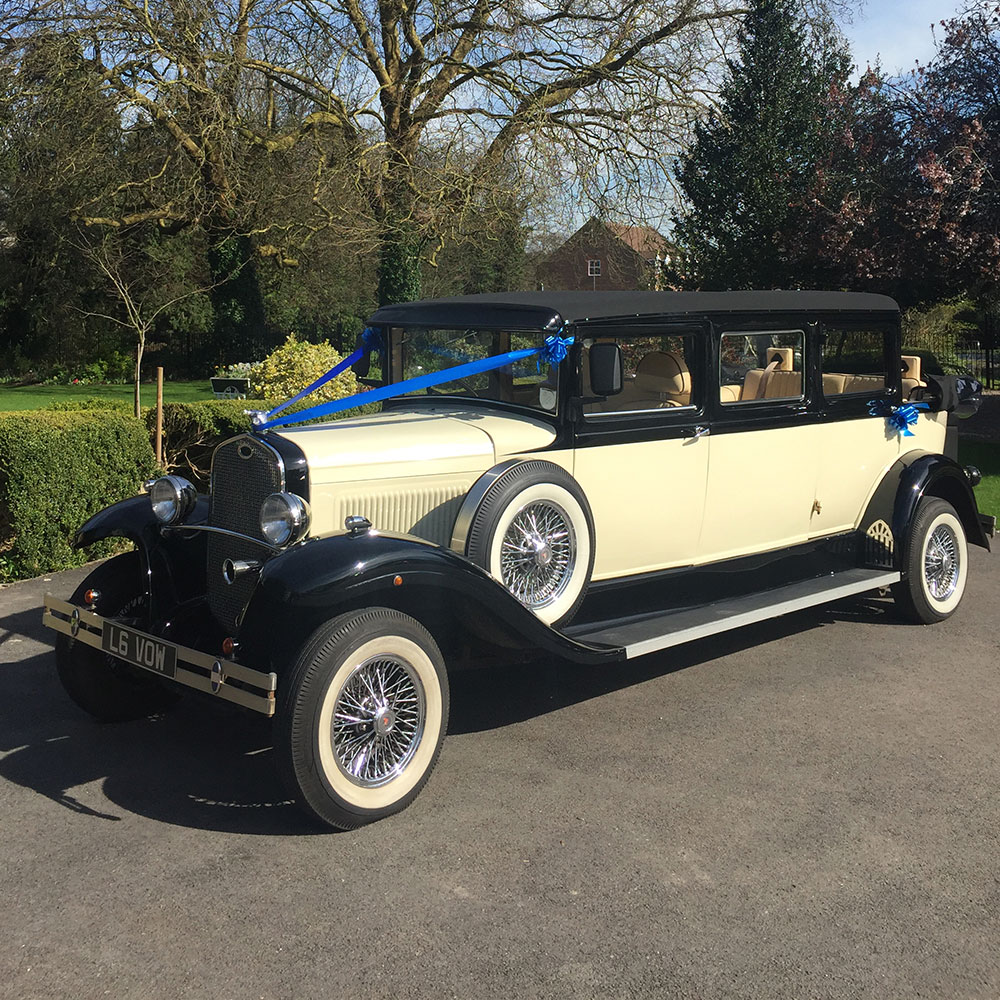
607, 256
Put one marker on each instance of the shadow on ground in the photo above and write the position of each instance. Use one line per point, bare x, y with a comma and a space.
210, 766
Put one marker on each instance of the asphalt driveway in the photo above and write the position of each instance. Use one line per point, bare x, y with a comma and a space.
806, 808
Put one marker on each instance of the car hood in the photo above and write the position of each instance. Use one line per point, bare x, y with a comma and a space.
424, 440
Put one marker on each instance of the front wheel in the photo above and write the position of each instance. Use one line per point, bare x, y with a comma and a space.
363, 717
937, 564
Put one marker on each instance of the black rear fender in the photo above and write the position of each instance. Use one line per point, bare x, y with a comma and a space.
908, 481
457, 601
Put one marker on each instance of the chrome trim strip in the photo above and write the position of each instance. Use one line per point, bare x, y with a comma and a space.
463, 521
759, 615
222, 531
212, 673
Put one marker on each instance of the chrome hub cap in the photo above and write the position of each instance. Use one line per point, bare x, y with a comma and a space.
941, 563
378, 721
538, 553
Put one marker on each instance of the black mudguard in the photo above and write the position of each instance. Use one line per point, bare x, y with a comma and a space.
174, 562
313, 583
907, 482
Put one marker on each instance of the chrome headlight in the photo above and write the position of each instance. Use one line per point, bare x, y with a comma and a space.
284, 518
173, 498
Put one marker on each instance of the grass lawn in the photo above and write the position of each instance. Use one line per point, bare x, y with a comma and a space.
985, 455
34, 397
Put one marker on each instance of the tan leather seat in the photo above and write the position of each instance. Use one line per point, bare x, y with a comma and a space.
781, 384
863, 383
663, 376
833, 384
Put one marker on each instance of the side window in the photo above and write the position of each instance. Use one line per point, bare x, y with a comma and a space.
755, 365
657, 374
853, 361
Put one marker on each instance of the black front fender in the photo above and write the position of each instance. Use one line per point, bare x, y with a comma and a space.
312, 583
174, 562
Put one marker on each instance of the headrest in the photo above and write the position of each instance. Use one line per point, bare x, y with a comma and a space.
911, 366
669, 370
783, 355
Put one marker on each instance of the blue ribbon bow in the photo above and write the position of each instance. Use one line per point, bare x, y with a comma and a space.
900, 418
554, 350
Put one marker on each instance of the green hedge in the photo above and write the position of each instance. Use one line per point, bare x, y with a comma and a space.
57, 468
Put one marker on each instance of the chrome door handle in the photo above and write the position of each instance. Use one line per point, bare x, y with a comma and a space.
698, 431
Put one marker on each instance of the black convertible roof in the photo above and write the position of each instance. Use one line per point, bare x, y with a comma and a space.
549, 310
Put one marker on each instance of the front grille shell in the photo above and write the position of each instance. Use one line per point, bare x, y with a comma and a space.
245, 470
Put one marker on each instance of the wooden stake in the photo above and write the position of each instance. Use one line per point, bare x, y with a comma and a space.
159, 416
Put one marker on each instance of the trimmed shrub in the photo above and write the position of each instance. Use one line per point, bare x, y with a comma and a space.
93, 403
295, 365
56, 470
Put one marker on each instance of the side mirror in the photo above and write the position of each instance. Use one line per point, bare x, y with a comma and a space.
605, 369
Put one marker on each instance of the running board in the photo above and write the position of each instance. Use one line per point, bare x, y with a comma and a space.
675, 627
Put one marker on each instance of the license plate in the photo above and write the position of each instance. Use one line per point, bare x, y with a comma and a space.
142, 650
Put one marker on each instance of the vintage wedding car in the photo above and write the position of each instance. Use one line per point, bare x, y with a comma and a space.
667, 466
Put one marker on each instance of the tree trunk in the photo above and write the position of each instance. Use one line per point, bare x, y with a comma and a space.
239, 329
399, 278
139, 348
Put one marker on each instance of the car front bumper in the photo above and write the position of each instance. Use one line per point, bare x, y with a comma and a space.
216, 676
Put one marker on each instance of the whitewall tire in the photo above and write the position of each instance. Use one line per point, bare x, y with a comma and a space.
533, 532
363, 717
937, 564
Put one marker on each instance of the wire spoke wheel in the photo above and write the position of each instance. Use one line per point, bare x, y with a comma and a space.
362, 717
942, 563
378, 721
936, 564
538, 554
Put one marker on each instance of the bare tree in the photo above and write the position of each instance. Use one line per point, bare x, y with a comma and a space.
142, 289
431, 104
436, 101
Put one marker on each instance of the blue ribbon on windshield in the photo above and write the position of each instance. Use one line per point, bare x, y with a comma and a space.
552, 352
900, 418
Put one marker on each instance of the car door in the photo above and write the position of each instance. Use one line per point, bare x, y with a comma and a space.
861, 364
765, 441
642, 456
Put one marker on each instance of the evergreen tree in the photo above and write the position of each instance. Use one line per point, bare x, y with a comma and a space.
754, 159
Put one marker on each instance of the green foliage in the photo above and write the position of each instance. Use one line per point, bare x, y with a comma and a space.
985, 456
939, 334
754, 160
296, 364
56, 470
191, 432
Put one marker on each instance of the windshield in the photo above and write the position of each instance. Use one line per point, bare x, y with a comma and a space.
525, 383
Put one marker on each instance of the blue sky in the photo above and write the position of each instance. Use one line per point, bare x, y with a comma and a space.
898, 29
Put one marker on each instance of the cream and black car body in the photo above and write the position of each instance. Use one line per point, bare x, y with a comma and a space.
697, 461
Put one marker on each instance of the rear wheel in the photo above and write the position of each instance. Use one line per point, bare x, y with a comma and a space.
364, 714
106, 687
533, 531
937, 564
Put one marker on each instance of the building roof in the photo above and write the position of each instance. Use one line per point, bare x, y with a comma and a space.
550, 310
644, 240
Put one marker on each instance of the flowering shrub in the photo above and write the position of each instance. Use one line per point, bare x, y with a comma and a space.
297, 364
241, 369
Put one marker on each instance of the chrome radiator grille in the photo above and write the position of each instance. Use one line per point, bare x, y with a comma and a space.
244, 472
